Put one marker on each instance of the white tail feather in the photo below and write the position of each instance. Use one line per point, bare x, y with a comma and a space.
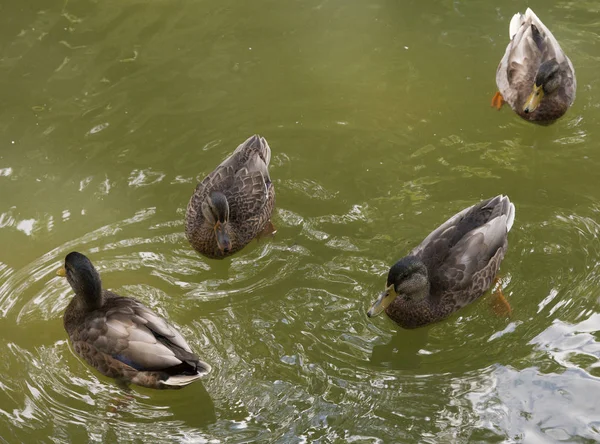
182, 380
515, 24
531, 15
510, 216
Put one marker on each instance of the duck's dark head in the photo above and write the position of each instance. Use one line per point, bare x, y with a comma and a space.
83, 278
407, 279
547, 81
216, 211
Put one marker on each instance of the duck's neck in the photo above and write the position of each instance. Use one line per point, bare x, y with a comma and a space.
90, 294
423, 293
418, 299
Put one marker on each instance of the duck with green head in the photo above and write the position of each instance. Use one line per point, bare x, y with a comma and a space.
234, 203
451, 268
122, 338
535, 77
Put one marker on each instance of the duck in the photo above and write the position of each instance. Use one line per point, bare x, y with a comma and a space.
535, 77
122, 338
452, 267
234, 203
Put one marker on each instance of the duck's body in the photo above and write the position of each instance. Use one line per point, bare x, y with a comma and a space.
535, 77
123, 339
451, 268
234, 203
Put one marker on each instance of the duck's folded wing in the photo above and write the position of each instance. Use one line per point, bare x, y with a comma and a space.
545, 40
441, 238
161, 329
473, 253
136, 336
525, 56
517, 69
254, 146
218, 180
248, 195
257, 163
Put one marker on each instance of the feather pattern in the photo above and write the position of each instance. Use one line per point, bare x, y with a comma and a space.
531, 45
245, 181
126, 340
462, 257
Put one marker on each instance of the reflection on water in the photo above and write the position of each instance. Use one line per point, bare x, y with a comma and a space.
554, 405
530, 406
573, 346
404, 350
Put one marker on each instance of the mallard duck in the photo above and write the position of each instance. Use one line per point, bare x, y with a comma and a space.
120, 337
451, 268
535, 76
234, 203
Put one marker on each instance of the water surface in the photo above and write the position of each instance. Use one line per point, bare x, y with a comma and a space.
378, 116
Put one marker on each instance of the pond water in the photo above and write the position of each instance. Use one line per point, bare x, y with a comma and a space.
378, 115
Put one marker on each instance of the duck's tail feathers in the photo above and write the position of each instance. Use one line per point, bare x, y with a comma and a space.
257, 144
528, 18
507, 209
530, 15
515, 24
202, 369
180, 380
511, 216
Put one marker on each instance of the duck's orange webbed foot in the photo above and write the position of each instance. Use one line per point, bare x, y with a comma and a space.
499, 303
497, 100
268, 231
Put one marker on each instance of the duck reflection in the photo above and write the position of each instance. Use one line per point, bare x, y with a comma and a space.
142, 403
203, 412
403, 352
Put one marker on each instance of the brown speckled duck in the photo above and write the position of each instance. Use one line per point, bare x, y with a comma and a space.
451, 268
234, 203
535, 77
121, 338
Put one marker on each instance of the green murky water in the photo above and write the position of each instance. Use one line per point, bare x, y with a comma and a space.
378, 116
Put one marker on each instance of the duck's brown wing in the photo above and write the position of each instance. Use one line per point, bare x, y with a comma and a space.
466, 243
477, 246
251, 151
219, 180
243, 177
134, 335
247, 196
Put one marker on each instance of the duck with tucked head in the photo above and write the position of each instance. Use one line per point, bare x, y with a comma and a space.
451, 268
535, 77
234, 203
122, 338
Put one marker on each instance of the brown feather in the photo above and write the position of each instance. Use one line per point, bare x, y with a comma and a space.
244, 180
532, 45
123, 339
462, 257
